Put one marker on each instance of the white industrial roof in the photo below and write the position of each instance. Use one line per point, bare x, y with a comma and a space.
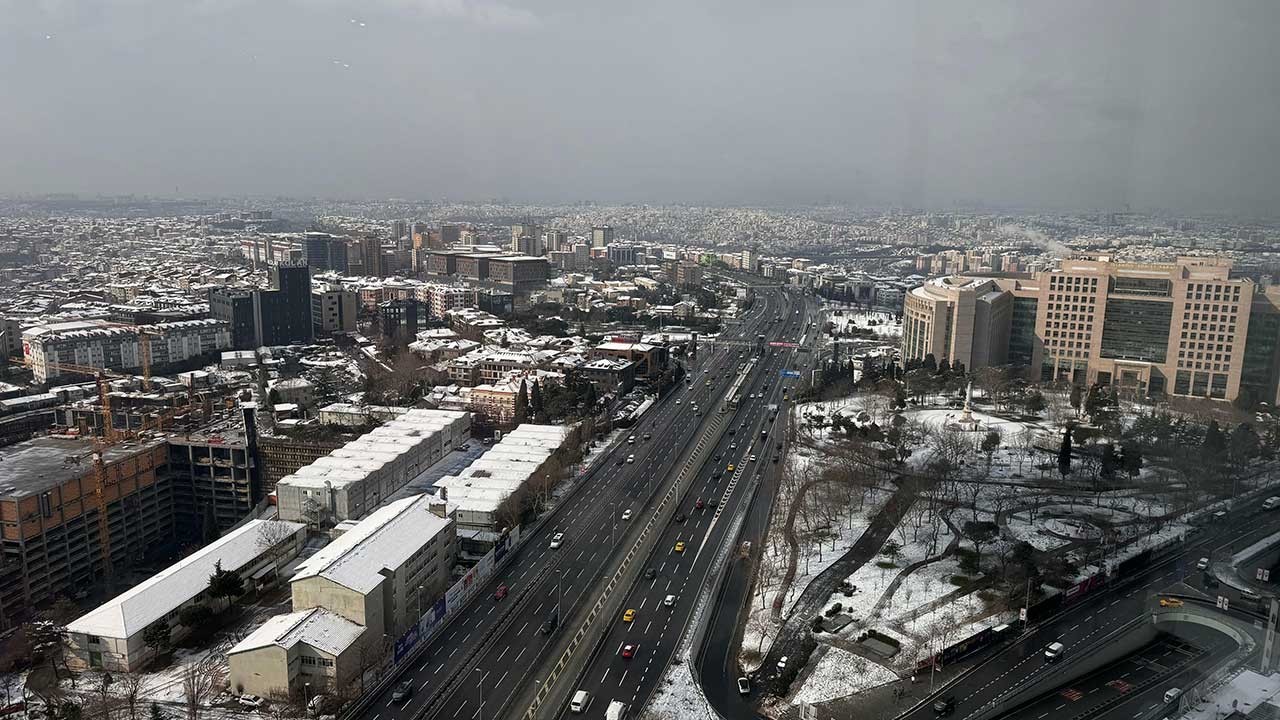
132, 611
322, 629
385, 539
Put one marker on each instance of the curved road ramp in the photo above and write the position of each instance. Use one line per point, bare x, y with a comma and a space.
1149, 667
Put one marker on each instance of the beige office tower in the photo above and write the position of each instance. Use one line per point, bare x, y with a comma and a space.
1186, 328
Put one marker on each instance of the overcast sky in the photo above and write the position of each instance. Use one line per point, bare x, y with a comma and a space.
1051, 104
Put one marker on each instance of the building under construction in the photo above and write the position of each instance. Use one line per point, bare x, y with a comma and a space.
74, 515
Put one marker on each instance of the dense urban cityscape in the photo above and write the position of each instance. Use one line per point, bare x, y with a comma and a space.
546, 360
330, 461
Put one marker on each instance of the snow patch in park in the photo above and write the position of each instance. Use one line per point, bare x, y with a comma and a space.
839, 673
678, 696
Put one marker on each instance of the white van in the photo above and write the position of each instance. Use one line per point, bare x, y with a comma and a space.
580, 701
1171, 694
1054, 651
1271, 503
617, 710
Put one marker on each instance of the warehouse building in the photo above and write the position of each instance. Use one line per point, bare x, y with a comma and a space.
351, 481
110, 636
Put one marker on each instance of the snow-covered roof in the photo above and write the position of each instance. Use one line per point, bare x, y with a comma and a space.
322, 629
132, 611
384, 540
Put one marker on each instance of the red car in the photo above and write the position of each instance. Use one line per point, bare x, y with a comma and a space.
500, 593
628, 651
699, 505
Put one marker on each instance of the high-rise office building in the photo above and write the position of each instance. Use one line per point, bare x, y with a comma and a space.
324, 252
278, 316
371, 256
601, 236
1186, 328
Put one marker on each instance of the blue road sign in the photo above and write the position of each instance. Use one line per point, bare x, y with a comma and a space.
790, 373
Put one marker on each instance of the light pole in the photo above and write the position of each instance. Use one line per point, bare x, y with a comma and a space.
306, 694
558, 575
480, 685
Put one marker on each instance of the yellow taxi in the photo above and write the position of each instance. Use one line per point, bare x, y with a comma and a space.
680, 546
629, 615
730, 468
1170, 602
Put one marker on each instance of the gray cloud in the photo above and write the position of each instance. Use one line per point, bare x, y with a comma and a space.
1085, 104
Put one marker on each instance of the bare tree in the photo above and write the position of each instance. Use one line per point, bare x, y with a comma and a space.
271, 541
129, 687
199, 685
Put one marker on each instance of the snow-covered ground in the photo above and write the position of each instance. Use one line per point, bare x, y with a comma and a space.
837, 674
678, 696
1248, 689
881, 323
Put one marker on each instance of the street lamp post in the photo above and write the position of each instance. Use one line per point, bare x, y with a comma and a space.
480, 685
306, 694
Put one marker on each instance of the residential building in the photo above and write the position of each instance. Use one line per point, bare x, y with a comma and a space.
601, 236
333, 310
324, 252
651, 360
99, 344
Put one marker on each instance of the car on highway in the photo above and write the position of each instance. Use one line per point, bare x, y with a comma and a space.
753, 458
681, 517
403, 692
744, 686
549, 625
945, 706
716, 457
669, 600
1053, 652
626, 514
501, 592
782, 663
631, 440
647, 436
775, 459
699, 504
631, 458
649, 573
677, 401
730, 467
629, 615
1170, 603
557, 540
1203, 564
628, 652
679, 546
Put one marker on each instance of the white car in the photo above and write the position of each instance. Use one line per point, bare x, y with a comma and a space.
631, 458
626, 514
782, 663
669, 600
557, 540
753, 458
677, 401
1203, 564
251, 701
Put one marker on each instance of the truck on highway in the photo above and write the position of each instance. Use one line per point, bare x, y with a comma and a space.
617, 710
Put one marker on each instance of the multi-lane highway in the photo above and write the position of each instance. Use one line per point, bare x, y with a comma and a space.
640, 643
1101, 612
486, 653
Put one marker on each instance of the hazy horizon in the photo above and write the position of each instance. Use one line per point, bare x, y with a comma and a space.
924, 104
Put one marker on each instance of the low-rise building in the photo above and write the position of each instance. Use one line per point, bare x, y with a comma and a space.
110, 636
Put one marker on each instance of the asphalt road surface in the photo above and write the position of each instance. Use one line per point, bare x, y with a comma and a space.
665, 604
497, 643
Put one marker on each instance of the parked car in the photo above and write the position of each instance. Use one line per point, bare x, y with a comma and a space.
744, 686
251, 701
1170, 602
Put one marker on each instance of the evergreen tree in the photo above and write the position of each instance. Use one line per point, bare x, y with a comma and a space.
1034, 402
1109, 461
958, 368
1064, 453
535, 398
1095, 400
944, 367
930, 363
522, 403
1131, 460
1214, 441
1077, 396
225, 584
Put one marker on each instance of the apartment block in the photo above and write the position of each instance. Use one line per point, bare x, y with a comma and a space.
100, 344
